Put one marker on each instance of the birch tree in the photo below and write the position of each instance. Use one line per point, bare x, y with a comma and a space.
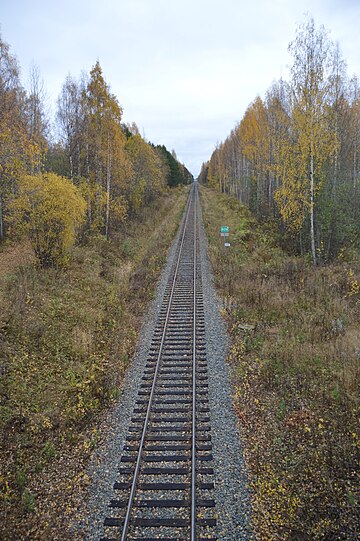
17, 150
354, 99
310, 83
254, 137
37, 117
71, 121
105, 155
147, 178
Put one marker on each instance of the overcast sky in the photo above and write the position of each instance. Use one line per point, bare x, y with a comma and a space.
183, 70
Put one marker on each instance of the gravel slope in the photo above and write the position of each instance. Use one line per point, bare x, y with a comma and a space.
232, 497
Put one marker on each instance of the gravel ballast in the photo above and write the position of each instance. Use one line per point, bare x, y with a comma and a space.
232, 497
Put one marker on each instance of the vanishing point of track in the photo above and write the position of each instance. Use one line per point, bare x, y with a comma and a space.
165, 488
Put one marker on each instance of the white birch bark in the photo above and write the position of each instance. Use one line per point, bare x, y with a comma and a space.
108, 184
312, 227
1, 220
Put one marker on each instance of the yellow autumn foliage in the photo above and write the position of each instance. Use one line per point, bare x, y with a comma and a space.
48, 209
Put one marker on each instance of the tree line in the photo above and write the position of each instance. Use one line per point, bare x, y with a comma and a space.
294, 158
97, 168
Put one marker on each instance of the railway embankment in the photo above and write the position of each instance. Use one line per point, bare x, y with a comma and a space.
66, 338
294, 363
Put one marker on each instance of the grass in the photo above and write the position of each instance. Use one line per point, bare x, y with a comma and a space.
295, 358
67, 337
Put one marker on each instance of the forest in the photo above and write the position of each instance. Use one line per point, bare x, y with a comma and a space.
294, 158
86, 172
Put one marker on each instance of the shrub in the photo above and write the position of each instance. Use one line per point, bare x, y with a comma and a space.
48, 209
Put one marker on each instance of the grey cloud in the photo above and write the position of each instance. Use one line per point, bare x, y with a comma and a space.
184, 70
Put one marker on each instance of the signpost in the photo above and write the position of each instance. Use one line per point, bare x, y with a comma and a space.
224, 232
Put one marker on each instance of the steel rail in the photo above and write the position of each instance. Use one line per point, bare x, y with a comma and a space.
147, 417
193, 442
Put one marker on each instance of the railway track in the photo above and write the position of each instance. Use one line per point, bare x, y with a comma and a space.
165, 487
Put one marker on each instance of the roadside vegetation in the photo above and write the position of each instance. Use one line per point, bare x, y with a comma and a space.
67, 336
295, 362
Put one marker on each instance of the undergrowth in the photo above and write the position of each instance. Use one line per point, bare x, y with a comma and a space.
66, 337
295, 357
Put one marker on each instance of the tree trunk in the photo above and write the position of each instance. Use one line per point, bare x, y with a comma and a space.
1, 220
312, 228
78, 160
333, 201
301, 243
270, 191
354, 166
71, 167
88, 183
108, 182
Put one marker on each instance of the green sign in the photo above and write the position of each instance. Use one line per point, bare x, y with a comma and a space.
224, 229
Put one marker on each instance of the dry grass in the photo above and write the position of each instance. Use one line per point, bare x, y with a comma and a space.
15, 255
295, 354
65, 343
